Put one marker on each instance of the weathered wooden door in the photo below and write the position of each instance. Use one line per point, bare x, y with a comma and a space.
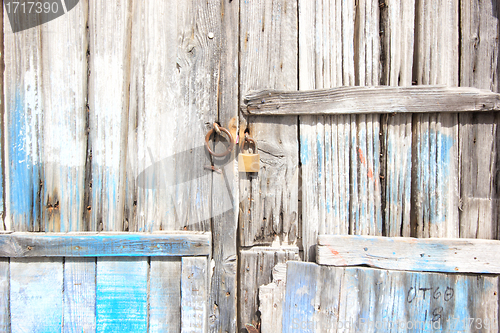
105, 111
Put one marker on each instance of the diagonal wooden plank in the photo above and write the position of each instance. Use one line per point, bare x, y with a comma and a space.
36, 295
122, 294
165, 295
79, 295
412, 254
194, 293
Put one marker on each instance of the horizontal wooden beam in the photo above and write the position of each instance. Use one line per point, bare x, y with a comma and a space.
19, 245
411, 254
362, 100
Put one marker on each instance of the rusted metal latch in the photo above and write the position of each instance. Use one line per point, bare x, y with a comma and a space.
219, 130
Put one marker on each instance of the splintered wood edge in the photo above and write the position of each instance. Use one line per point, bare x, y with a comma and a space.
410, 254
23, 245
374, 99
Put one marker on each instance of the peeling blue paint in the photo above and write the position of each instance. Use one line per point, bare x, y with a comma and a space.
305, 151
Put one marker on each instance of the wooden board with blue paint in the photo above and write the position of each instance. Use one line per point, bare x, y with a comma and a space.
122, 294
410, 254
368, 300
103, 244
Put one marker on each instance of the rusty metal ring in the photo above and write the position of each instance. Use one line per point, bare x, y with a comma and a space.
231, 142
248, 139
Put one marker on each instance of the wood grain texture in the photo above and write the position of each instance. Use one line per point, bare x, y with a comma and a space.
268, 59
271, 299
2, 118
349, 300
225, 208
103, 244
194, 294
397, 65
173, 104
122, 294
45, 92
478, 132
339, 154
435, 172
4, 296
165, 295
373, 99
36, 295
256, 268
410, 254
79, 295
108, 100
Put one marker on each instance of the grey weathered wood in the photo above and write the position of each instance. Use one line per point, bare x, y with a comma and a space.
478, 132
173, 104
36, 294
165, 295
256, 268
194, 293
2, 113
435, 171
223, 287
369, 300
79, 295
4, 295
268, 59
103, 244
45, 96
397, 64
373, 99
411, 254
108, 99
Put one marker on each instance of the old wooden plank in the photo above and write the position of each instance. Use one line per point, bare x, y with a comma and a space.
478, 132
436, 62
36, 295
268, 59
103, 244
122, 294
173, 104
256, 269
45, 91
3, 226
369, 300
4, 295
108, 102
271, 299
223, 293
300, 298
397, 65
194, 294
403, 253
373, 99
79, 295
165, 295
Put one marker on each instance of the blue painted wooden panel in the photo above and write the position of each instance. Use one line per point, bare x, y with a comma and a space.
36, 295
121, 294
79, 295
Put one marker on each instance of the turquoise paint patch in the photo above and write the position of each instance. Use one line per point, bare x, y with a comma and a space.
445, 143
24, 175
305, 151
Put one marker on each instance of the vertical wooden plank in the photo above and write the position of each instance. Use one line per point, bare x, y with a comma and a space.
223, 293
109, 47
268, 54
436, 62
165, 295
397, 64
45, 92
122, 294
2, 115
194, 293
36, 295
4, 295
79, 295
478, 132
300, 297
173, 104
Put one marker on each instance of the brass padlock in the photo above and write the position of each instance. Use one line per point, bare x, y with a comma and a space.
248, 162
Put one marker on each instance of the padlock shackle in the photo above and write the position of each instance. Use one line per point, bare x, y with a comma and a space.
250, 140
